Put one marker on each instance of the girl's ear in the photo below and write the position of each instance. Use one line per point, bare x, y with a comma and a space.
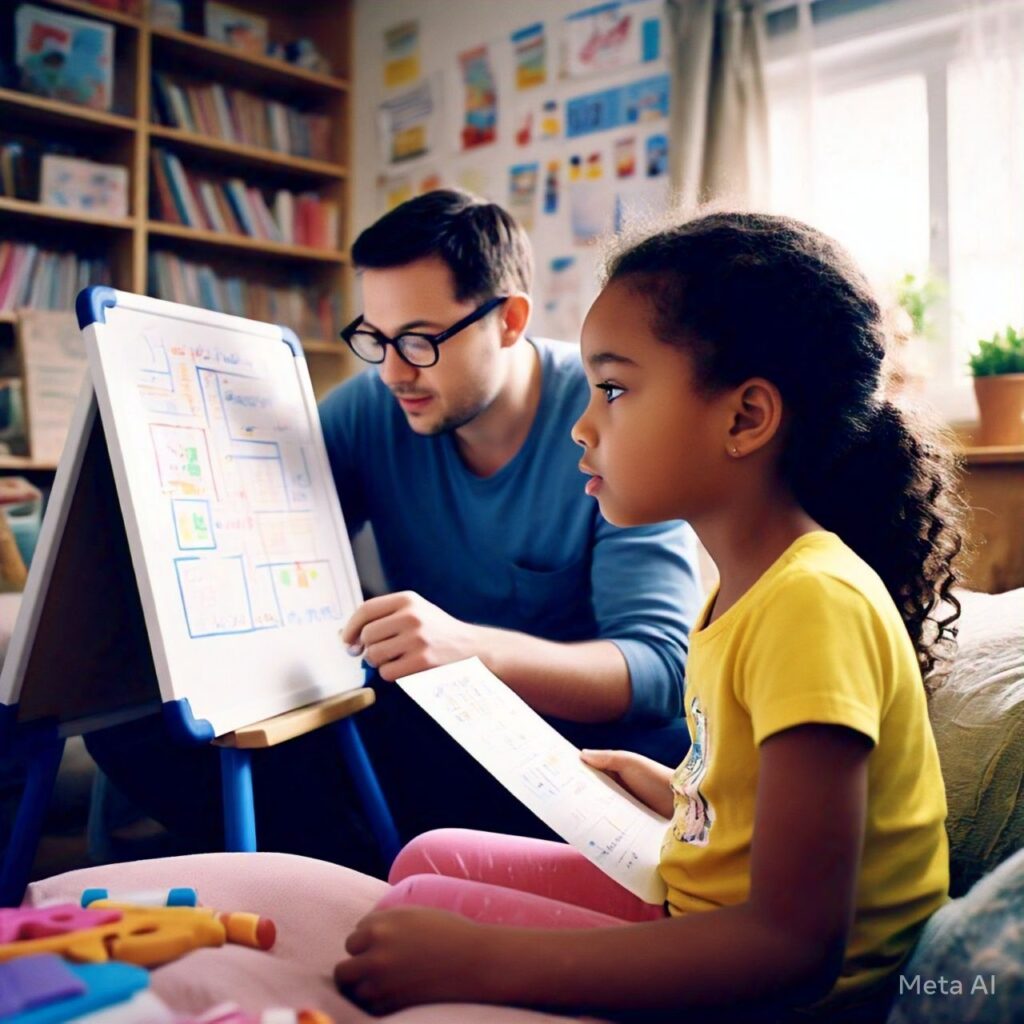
515, 315
756, 416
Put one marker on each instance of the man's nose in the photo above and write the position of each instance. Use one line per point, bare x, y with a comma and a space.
394, 369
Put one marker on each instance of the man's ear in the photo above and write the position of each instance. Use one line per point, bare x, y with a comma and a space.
757, 411
515, 315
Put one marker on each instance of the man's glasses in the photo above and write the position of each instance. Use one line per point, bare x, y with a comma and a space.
415, 348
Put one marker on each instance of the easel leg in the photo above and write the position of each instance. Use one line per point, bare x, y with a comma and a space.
44, 754
370, 793
239, 811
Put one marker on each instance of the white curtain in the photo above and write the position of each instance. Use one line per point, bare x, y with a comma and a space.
718, 137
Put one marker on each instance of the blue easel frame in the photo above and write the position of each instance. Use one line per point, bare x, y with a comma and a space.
39, 745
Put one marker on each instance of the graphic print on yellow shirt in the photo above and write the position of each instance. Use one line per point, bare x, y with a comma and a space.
694, 816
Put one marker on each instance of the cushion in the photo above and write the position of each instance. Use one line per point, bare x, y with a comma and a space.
972, 953
314, 905
977, 716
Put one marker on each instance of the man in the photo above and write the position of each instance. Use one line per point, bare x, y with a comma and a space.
455, 448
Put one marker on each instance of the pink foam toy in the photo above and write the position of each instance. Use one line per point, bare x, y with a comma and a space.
23, 923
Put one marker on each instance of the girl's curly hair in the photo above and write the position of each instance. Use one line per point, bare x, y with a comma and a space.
755, 295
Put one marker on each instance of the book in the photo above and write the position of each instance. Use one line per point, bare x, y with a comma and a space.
312, 311
75, 184
166, 14
64, 57
238, 116
236, 28
53, 357
45, 279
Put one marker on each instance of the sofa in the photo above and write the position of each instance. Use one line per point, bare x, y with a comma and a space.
978, 719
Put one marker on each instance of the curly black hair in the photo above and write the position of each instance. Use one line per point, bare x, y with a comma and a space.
756, 295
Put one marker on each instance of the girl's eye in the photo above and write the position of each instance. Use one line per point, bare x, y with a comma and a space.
611, 391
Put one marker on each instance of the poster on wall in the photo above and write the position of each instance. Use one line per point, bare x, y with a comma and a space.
592, 201
561, 309
611, 36
401, 54
407, 124
522, 192
480, 117
552, 189
625, 156
536, 121
656, 155
531, 61
393, 190
477, 179
632, 103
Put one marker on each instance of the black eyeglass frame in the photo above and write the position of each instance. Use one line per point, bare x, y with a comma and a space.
434, 340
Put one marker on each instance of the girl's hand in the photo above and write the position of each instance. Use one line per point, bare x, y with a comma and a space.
649, 781
412, 955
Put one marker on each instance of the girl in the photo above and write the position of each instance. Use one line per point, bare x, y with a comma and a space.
737, 371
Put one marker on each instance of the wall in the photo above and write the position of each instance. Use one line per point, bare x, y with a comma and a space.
450, 27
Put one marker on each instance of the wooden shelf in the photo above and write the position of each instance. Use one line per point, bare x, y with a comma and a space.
26, 462
127, 139
325, 348
92, 11
219, 57
978, 455
244, 242
255, 156
27, 208
59, 112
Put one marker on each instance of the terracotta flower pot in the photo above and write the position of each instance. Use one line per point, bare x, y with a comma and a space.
1001, 408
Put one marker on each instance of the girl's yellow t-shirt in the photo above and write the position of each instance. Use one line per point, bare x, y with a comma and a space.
817, 639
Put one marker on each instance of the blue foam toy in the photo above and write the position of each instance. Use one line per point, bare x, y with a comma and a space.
33, 981
104, 985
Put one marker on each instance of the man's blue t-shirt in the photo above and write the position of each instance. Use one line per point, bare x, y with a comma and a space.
525, 548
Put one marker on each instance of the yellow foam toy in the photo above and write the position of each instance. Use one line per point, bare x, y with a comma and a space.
147, 936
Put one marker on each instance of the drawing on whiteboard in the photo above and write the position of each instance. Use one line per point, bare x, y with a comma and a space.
192, 524
230, 444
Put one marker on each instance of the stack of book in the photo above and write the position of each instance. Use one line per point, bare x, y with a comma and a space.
244, 117
312, 313
230, 205
19, 170
43, 278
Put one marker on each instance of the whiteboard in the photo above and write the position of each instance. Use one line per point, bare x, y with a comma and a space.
242, 560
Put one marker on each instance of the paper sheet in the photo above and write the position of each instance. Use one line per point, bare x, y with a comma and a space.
543, 770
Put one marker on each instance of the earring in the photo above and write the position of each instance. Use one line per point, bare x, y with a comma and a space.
735, 450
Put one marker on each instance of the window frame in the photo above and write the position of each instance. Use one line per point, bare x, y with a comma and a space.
874, 44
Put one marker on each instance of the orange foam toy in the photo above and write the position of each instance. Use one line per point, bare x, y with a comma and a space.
241, 927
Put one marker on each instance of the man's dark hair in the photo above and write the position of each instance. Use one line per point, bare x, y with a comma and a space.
486, 249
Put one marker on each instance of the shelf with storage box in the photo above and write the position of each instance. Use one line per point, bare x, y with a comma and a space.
275, 128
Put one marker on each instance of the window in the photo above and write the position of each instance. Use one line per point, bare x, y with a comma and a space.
897, 129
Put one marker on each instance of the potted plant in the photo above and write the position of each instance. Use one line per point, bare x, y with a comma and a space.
998, 369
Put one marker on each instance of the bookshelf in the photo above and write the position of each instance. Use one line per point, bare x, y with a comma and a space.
130, 133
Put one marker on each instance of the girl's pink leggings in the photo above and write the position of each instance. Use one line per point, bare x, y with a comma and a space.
510, 880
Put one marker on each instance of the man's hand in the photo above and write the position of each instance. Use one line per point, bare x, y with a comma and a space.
403, 633
411, 955
647, 780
